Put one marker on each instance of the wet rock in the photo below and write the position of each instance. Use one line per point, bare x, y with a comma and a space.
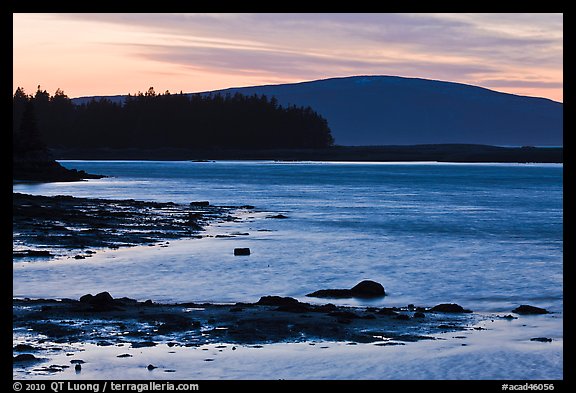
144, 344
343, 314
124, 355
53, 368
402, 317
24, 348
178, 326
100, 302
101, 298
25, 357
277, 301
200, 203
331, 293
241, 251
365, 289
31, 253
541, 339
296, 308
193, 225
387, 311
151, 367
278, 216
530, 310
78, 367
326, 308
419, 314
450, 308
368, 289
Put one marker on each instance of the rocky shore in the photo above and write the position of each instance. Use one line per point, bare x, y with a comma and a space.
45, 327
63, 225
104, 320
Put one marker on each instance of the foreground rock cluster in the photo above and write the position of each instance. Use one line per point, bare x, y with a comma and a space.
105, 320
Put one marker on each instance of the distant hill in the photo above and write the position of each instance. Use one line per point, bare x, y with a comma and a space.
391, 110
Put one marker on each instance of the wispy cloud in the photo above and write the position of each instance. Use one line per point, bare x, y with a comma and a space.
469, 48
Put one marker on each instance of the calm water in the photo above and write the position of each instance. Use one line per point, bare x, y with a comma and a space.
487, 236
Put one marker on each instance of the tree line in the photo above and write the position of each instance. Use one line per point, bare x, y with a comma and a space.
151, 120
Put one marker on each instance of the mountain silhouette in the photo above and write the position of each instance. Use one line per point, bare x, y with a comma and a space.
392, 110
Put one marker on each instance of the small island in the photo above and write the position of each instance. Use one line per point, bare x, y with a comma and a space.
32, 160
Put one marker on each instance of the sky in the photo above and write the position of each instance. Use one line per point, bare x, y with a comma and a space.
109, 54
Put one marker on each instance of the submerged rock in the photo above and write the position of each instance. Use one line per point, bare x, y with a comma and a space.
364, 289
526, 309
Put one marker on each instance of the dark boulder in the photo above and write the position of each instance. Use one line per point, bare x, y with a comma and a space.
368, 289
365, 289
100, 302
101, 298
450, 308
530, 310
276, 301
24, 357
241, 251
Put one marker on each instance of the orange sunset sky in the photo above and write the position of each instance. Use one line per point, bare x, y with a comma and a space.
109, 54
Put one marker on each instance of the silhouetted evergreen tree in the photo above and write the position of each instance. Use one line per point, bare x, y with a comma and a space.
19, 103
150, 120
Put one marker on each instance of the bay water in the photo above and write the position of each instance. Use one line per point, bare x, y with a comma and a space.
486, 236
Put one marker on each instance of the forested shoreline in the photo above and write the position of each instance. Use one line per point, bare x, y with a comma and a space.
151, 120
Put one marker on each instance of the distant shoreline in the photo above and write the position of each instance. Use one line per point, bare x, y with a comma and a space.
464, 153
